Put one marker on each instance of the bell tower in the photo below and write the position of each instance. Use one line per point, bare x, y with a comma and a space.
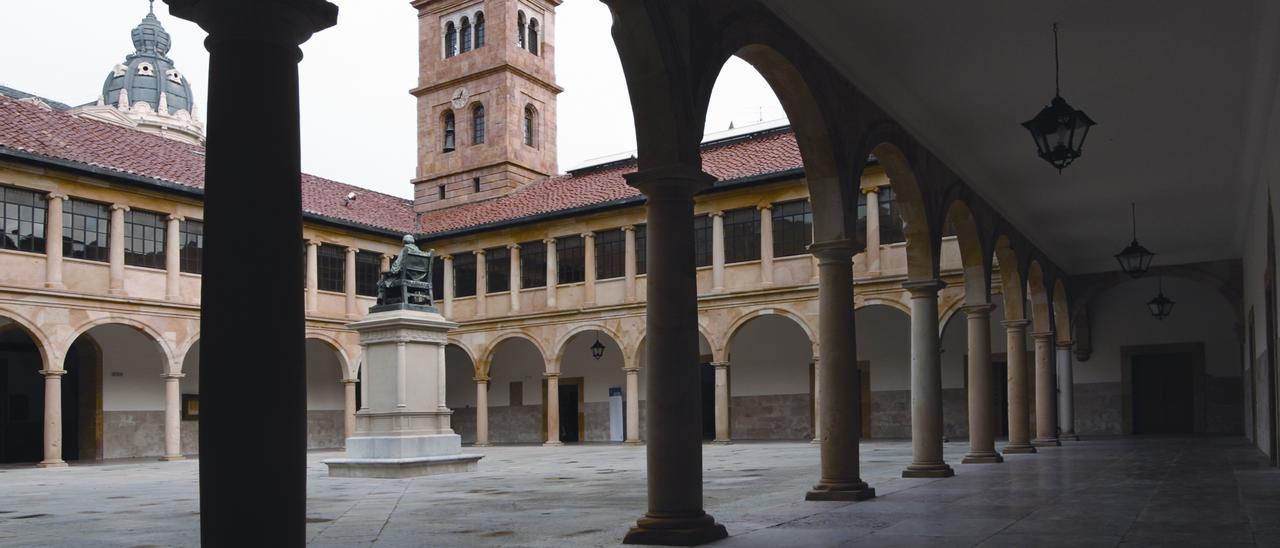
486, 98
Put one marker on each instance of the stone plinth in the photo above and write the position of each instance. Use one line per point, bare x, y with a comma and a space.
404, 428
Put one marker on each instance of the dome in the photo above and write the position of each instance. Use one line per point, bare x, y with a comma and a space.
147, 79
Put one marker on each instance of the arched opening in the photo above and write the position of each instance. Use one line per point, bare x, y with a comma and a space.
520, 25
128, 365
21, 395
918, 255
592, 406
530, 126
479, 29
450, 135
477, 125
450, 40
706, 383
325, 399
884, 361
516, 388
954, 344
460, 391
771, 380
533, 36
466, 35
189, 389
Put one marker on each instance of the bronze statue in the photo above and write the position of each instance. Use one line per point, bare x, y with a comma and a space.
407, 285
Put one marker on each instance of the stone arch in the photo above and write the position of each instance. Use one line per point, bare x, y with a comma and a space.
471, 354
166, 349
973, 256
886, 143
42, 341
860, 304
564, 340
746, 317
717, 355
1061, 312
947, 313
1038, 295
501, 338
344, 361
1011, 287
185, 348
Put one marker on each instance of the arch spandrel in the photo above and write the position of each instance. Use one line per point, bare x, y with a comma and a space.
49, 358
974, 256
487, 362
1038, 296
1011, 287
163, 342
564, 340
743, 319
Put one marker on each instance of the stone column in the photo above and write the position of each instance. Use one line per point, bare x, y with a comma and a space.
589, 268
482, 284
348, 408
116, 250
552, 272
253, 151
172, 259
1066, 397
482, 411
349, 282
982, 423
53, 242
1019, 430
873, 228
448, 285
926, 384
722, 401
766, 245
313, 277
838, 377
553, 409
52, 419
817, 401
172, 417
385, 264
633, 405
717, 251
514, 281
629, 262
1046, 395
673, 423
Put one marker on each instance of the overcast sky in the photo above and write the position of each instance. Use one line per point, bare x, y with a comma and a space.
358, 122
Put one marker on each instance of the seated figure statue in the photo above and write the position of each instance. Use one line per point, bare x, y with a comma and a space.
408, 284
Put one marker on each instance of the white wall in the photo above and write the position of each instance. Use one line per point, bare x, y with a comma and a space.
132, 369
459, 374
515, 360
324, 377
884, 339
190, 382
597, 375
769, 355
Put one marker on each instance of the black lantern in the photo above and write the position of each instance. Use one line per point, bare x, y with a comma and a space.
1059, 130
1161, 306
597, 349
1134, 260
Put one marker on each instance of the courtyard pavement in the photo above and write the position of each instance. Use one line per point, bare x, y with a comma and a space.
1135, 491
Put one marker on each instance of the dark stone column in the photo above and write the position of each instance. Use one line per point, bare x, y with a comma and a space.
253, 431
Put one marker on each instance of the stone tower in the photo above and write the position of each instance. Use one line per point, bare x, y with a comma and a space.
486, 98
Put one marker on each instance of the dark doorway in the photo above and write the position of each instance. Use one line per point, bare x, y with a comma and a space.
707, 375
1163, 394
1000, 396
569, 394
21, 398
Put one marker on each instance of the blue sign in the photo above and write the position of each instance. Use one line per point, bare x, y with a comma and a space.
615, 391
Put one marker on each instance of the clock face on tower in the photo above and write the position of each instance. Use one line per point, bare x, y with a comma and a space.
460, 97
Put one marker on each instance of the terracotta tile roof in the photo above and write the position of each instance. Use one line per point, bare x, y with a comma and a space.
769, 152
58, 135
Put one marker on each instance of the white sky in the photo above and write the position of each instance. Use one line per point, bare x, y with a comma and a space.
358, 122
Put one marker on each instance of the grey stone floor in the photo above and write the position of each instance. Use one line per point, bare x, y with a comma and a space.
1131, 491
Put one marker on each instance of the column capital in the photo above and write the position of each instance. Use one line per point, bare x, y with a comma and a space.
1043, 335
1020, 325
479, 252
924, 288
312, 242
176, 217
388, 256
833, 250
446, 257
588, 235
765, 207
870, 189
549, 241
1066, 344
119, 207
55, 196
670, 181
628, 228
716, 213
352, 250
285, 22
513, 247
980, 310
53, 372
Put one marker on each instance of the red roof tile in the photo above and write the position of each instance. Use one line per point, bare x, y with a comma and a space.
56, 134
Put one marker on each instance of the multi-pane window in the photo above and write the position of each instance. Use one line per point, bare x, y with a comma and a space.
437, 278
792, 228
450, 40
331, 267
368, 270
533, 264
464, 274
570, 261
497, 269
860, 229
702, 240
742, 235
533, 36
642, 248
477, 125
520, 30
191, 246
86, 230
611, 254
22, 216
144, 234
466, 35
530, 118
890, 218
479, 30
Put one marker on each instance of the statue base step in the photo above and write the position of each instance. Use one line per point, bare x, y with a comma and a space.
401, 468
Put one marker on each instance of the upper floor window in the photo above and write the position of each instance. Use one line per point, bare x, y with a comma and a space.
465, 41
144, 234
450, 40
464, 275
368, 270
702, 240
479, 29
642, 247
741, 235
890, 218
437, 278
191, 246
86, 230
792, 228
533, 264
530, 125
450, 138
611, 251
520, 30
331, 267
860, 228
497, 269
570, 261
533, 36
477, 125
22, 216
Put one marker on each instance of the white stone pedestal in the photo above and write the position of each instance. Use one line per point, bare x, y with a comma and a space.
404, 429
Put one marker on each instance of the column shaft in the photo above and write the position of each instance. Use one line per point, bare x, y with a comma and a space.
116, 251
873, 230
313, 277
552, 272
722, 401
717, 251
553, 409
926, 384
766, 245
589, 282
172, 417
1019, 427
633, 405
1046, 395
349, 282
514, 281
348, 409
172, 262
982, 423
482, 284
448, 285
482, 412
52, 419
817, 400
1066, 397
53, 242
629, 262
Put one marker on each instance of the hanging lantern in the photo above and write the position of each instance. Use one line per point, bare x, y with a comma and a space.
597, 349
1161, 306
1059, 130
1134, 260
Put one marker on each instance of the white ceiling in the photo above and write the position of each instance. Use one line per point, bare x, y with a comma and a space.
1167, 83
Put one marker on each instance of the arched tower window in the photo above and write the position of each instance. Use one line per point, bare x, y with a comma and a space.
450, 40
479, 29
533, 36
477, 125
520, 30
449, 134
466, 35
530, 125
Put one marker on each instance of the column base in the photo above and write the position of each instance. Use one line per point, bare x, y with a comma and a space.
51, 464
55, 285
1046, 442
982, 458
482, 445
848, 492
633, 442
1069, 436
722, 442
171, 458
553, 444
815, 441
941, 470
675, 531
1018, 448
